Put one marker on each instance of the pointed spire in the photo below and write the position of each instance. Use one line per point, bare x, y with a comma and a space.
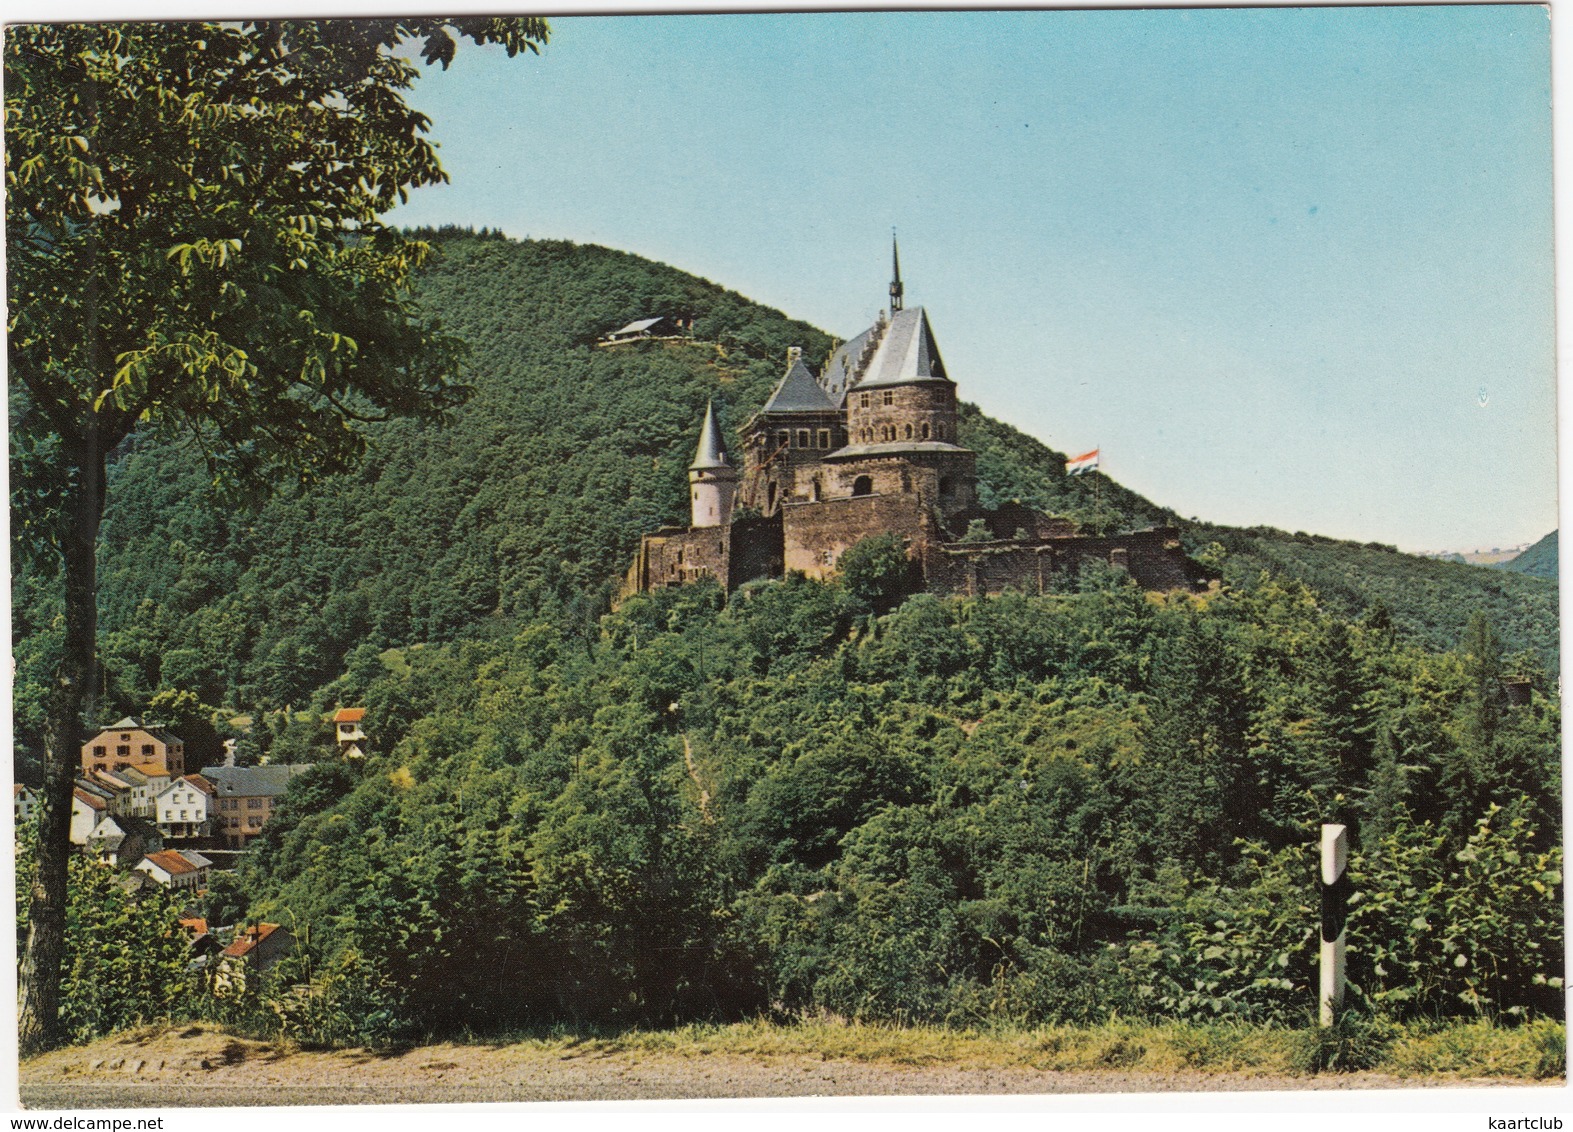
895, 275
709, 454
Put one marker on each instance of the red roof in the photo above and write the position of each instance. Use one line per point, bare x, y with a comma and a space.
202, 784
92, 801
171, 861
197, 924
248, 939
349, 715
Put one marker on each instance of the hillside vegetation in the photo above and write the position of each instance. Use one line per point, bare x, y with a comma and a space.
1538, 561
808, 798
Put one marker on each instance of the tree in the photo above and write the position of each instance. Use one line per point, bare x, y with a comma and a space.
194, 245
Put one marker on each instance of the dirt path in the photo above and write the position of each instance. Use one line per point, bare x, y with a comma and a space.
693, 773
204, 1067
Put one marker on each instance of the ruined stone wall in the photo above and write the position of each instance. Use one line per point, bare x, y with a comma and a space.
1154, 559
814, 536
674, 556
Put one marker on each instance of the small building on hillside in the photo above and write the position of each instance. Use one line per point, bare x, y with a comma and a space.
133, 743
650, 328
24, 803
176, 868
243, 798
348, 734
252, 952
88, 808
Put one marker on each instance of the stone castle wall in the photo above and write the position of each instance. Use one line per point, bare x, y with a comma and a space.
1154, 559
815, 535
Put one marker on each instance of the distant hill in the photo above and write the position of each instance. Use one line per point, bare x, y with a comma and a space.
1539, 561
530, 501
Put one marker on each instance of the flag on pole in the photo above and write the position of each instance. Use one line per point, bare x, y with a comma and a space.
1086, 462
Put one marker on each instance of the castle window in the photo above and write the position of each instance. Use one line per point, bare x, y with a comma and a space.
925, 432
863, 486
824, 438
862, 400
909, 432
889, 397
783, 438
939, 432
802, 438
816, 489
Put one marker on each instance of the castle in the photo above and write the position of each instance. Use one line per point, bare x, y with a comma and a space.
869, 446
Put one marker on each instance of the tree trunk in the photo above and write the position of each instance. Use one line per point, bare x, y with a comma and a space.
73, 696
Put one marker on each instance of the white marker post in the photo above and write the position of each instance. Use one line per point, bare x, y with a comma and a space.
1335, 857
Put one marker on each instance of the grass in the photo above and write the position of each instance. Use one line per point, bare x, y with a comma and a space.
1455, 1051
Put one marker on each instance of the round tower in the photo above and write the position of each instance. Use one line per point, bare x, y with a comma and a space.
712, 481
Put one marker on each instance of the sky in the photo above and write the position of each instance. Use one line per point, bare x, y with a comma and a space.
1281, 266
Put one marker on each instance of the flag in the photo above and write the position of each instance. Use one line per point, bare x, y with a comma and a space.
1086, 462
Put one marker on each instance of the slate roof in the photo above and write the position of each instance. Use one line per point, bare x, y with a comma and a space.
799, 392
250, 781
906, 354
838, 371
710, 453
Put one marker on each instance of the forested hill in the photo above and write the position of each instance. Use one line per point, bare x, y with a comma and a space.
530, 501
1539, 561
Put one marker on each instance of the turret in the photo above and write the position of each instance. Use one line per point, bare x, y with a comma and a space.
712, 481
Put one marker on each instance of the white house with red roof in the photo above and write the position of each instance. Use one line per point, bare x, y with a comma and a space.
176, 868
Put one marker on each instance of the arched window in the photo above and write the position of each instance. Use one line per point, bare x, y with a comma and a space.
925, 432
909, 432
863, 485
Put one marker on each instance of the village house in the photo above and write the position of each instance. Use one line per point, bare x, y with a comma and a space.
252, 952
145, 783
88, 807
243, 799
347, 732
133, 743
176, 868
117, 839
869, 445
180, 810
24, 803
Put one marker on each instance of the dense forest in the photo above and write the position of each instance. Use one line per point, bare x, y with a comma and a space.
1539, 560
809, 797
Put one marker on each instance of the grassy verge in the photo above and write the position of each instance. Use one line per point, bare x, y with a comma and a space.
1465, 1050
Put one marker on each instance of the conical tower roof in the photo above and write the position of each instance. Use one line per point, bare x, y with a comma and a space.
798, 392
906, 354
710, 453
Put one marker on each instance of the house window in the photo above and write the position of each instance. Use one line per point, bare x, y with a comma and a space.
862, 400
802, 438
783, 439
889, 398
123, 752
147, 749
253, 823
253, 803
99, 752
824, 438
182, 815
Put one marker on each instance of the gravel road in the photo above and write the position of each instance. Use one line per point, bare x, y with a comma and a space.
205, 1068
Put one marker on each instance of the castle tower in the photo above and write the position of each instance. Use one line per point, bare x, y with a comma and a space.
712, 480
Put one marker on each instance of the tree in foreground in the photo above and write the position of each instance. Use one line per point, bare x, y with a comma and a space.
193, 245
